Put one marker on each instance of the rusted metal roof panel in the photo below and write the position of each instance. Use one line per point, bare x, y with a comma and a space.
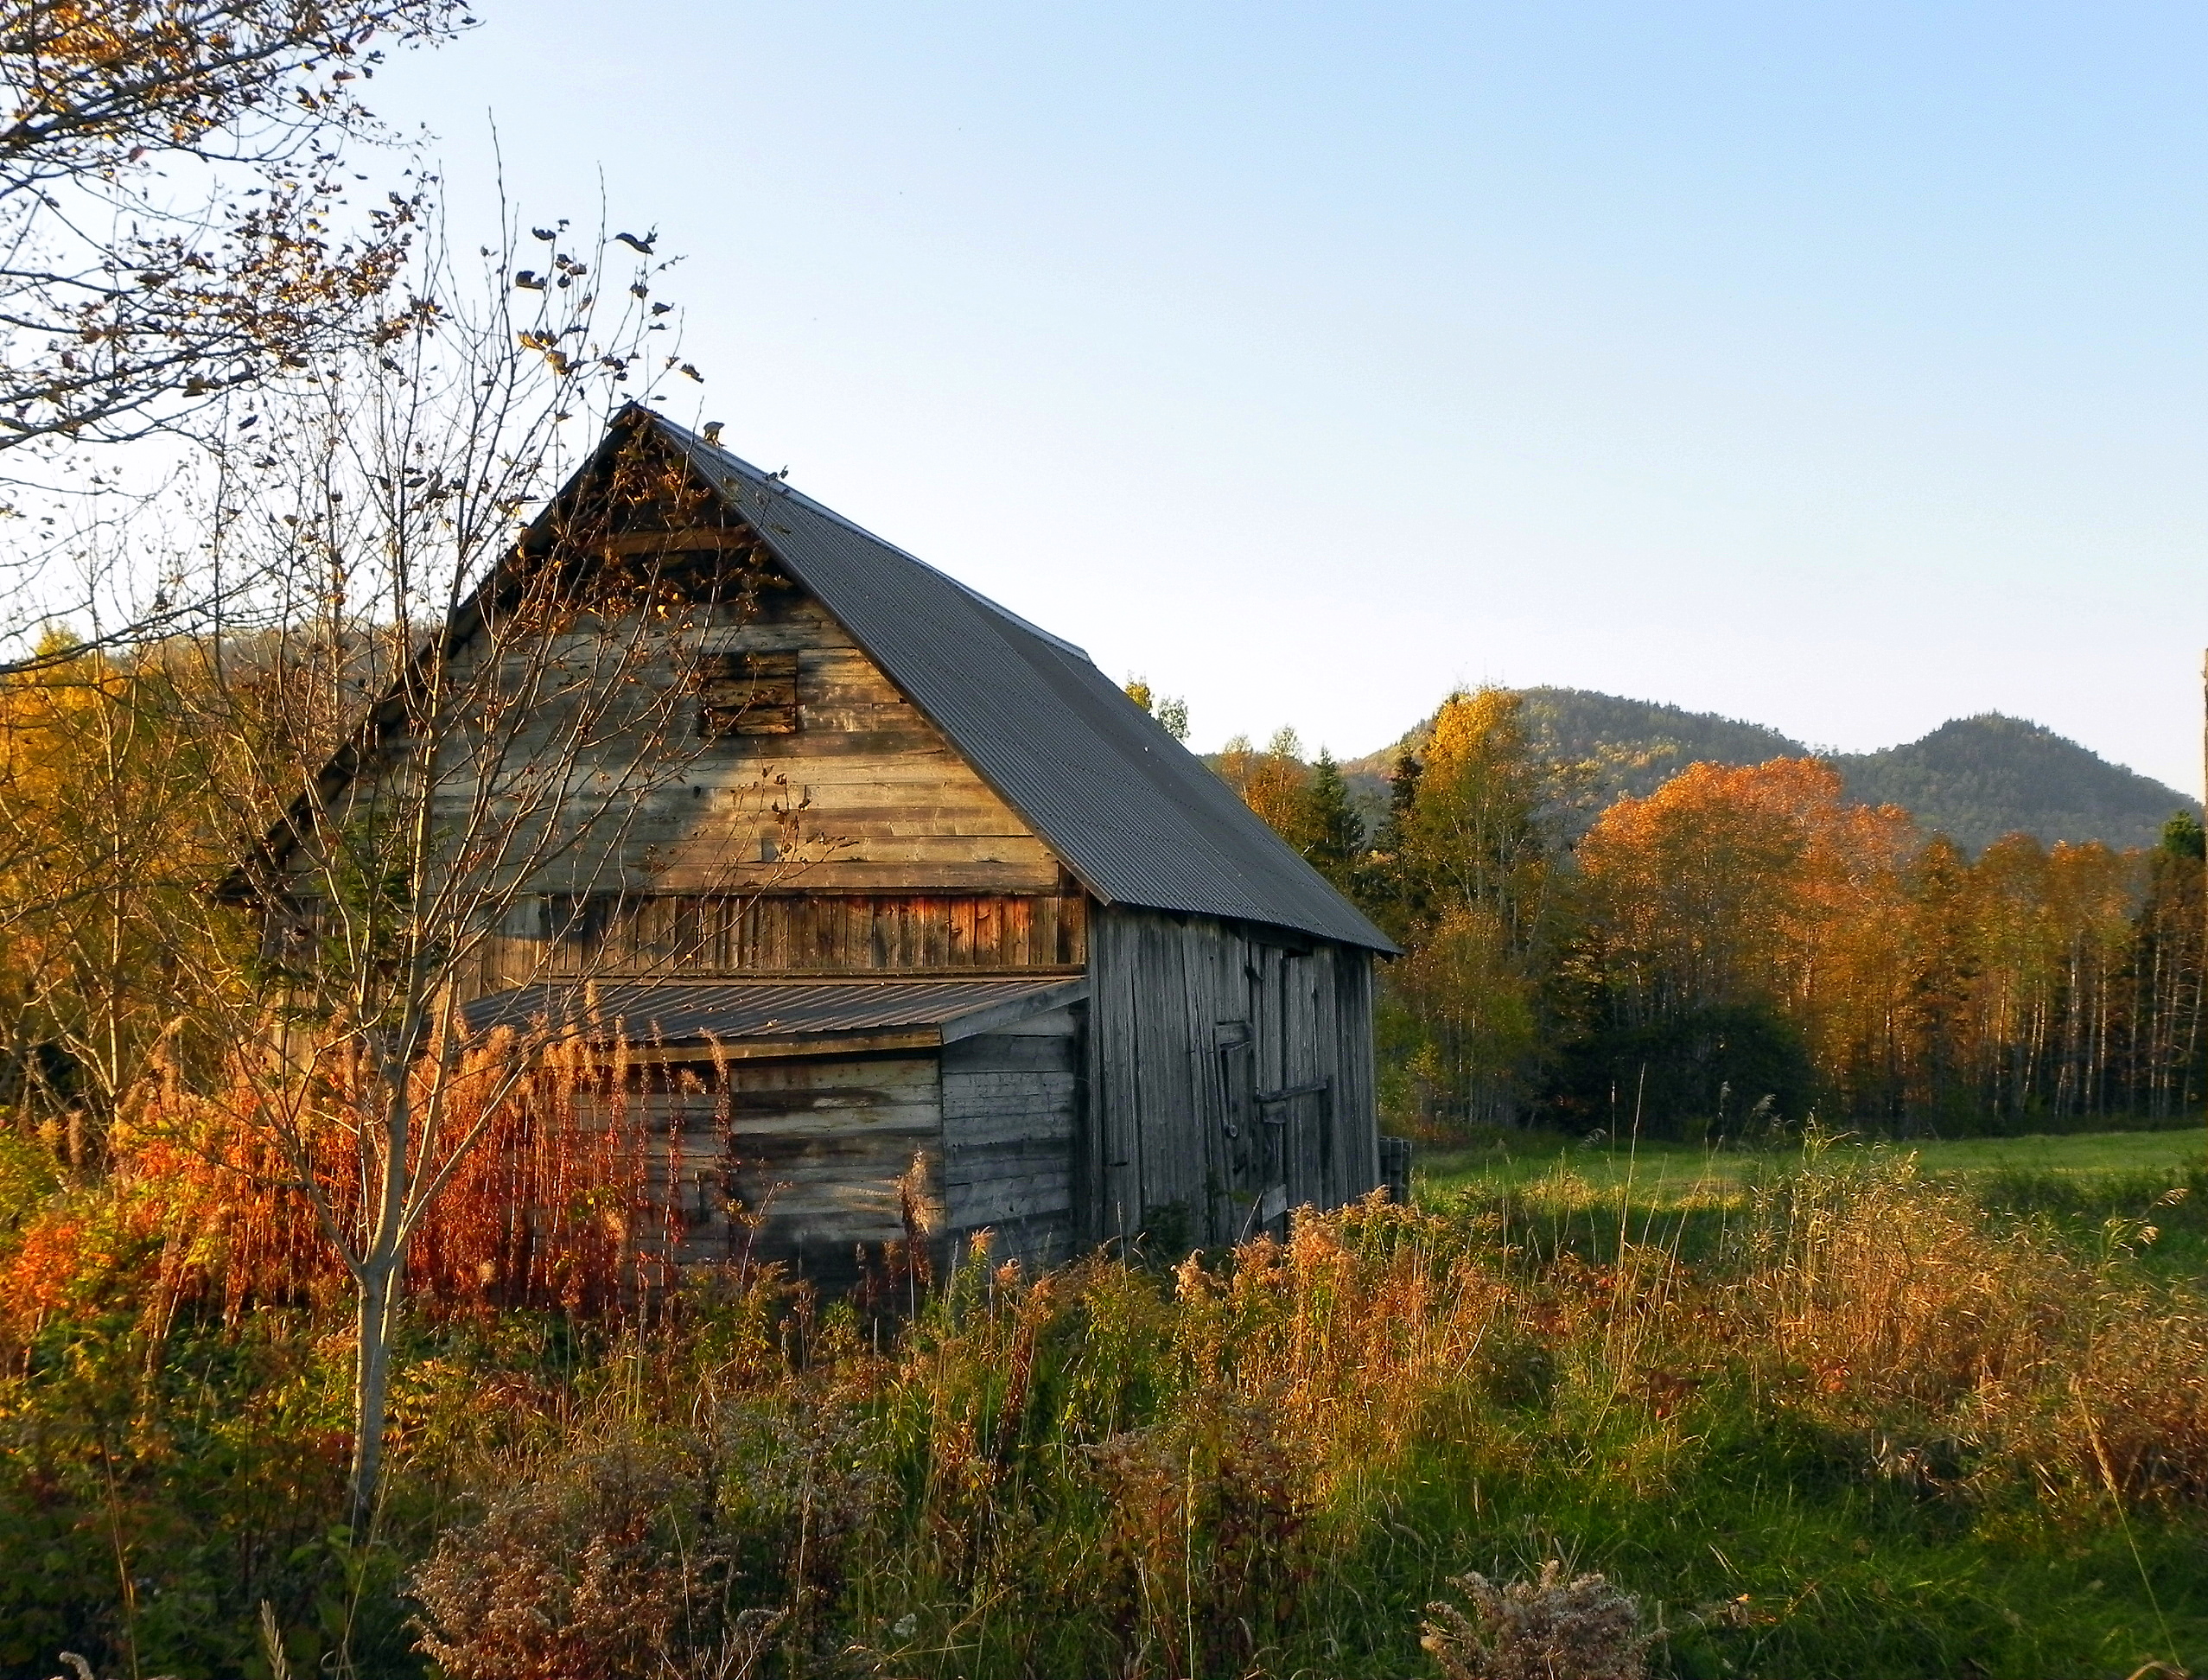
678, 1012
1137, 816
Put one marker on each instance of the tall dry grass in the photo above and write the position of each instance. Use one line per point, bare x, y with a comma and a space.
1874, 1299
1263, 1461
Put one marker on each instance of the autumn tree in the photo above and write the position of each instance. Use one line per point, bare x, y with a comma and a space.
2092, 893
1307, 804
1275, 783
438, 713
2166, 1036
1739, 920
108, 832
171, 201
177, 188
2015, 1004
1170, 711
1466, 873
1463, 872
2049, 984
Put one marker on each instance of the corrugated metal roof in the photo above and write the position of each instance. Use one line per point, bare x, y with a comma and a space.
1139, 819
674, 1012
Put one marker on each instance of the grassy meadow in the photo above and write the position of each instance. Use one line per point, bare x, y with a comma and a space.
2095, 1185
1852, 1412
1669, 1174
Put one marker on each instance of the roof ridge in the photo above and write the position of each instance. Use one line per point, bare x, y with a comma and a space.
694, 445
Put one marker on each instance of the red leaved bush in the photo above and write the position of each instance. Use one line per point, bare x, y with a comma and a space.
548, 1205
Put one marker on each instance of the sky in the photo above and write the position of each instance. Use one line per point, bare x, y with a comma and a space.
1837, 367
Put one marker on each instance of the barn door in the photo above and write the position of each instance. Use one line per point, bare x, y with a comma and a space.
1238, 1161
1250, 1145
1299, 1122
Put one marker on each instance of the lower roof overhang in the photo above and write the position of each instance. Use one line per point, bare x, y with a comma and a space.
661, 1020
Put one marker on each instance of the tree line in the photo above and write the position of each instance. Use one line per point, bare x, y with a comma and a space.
1741, 949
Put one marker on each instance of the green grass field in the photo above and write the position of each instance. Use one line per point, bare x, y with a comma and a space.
2096, 1185
1679, 1174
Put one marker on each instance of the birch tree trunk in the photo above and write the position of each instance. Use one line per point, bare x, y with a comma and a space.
377, 1291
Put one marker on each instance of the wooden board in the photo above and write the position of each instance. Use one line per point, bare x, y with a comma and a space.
795, 1161
808, 934
1224, 1065
1011, 1112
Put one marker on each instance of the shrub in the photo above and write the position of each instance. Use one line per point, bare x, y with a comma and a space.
658, 1553
606, 1566
1548, 1628
1872, 1428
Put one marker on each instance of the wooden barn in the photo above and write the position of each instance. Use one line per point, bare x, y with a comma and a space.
1048, 953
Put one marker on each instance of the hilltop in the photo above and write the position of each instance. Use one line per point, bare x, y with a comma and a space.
1980, 777
1973, 779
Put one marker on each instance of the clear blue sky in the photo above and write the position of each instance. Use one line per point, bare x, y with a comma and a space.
1837, 367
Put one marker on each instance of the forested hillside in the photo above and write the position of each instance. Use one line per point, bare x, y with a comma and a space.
1979, 778
1589, 922
1974, 779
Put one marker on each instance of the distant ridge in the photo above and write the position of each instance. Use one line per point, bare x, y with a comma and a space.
1975, 779
1980, 777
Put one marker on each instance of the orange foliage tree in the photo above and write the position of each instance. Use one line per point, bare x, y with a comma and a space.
1275, 783
1740, 902
1750, 933
1467, 874
550, 1203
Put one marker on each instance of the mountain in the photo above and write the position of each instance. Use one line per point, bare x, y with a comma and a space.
1980, 777
1975, 779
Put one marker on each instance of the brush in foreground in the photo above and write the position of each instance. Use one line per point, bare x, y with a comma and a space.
1548, 1628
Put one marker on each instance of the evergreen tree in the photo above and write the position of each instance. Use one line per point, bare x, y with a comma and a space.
1385, 887
1337, 843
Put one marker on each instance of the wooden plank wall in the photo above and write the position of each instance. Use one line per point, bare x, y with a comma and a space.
815, 934
815, 1146
905, 860
1198, 1025
887, 805
1011, 1105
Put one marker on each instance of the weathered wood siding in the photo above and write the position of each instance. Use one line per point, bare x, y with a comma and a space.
1231, 1078
815, 934
903, 860
1011, 1109
810, 1148
884, 802
799, 1159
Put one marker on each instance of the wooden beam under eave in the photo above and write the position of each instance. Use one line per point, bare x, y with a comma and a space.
784, 1049
739, 539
